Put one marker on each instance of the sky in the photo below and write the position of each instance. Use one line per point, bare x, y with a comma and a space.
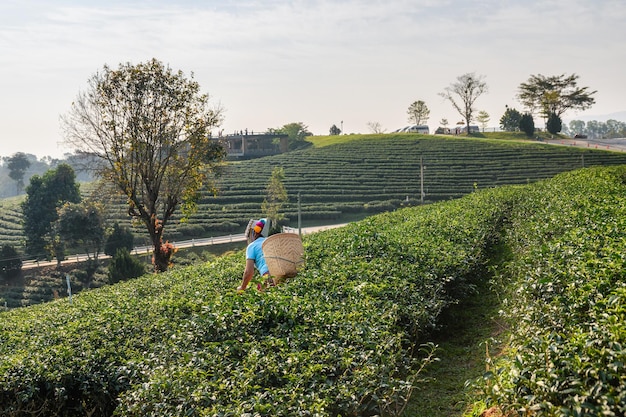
348, 63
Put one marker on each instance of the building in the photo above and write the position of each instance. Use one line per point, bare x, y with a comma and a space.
244, 146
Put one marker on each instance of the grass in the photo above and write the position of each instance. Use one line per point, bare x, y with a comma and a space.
322, 141
462, 357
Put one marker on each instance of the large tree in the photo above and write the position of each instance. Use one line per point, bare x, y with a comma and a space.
467, 88
554, 95
149, 127
418, 112
44, 194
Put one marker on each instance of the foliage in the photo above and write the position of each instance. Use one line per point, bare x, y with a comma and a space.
595, 129
334, 130
297, 132
510, 120
340, 177
483, 119
347, 337
81, 225
149, 127
418, 112
564, 295
554, 124
43, 196
10, 261
527, 124
275, 197
119, 238
468, 87
123, 266
343, 337
18, 164
554, 94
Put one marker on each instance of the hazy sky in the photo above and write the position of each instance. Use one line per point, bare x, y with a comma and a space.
273, 62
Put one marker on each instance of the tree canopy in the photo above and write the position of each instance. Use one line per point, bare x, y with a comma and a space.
297, 132
44, 195
468, 87
510, 120
418, 112
82, 225
527, 124
275, 197
149, 128
18, 164
334, 130
554, 94
483, 119
554, 124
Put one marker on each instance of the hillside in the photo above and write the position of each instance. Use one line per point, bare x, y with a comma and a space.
344, 178
351, 335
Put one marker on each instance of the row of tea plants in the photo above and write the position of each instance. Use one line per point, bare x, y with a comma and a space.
347, 337
565, 294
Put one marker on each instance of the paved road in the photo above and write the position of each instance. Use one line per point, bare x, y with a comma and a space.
618, 144
181, 244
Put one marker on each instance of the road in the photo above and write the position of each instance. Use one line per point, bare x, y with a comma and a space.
181, 244
617, 144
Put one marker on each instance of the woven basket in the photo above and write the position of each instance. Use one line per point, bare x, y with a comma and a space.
284, 254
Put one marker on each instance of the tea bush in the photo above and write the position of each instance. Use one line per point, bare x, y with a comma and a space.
566, 289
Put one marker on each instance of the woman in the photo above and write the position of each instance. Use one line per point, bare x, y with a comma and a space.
256, 232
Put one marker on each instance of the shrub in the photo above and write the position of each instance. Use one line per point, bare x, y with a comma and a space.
123, 266
565, 299
527, 124
10, 261
120, 238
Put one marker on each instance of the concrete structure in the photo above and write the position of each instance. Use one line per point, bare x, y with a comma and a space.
243, 145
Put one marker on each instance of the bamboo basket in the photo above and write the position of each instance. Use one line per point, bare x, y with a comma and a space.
284, 254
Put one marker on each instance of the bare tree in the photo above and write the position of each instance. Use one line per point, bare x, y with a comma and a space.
467, 88
375, 127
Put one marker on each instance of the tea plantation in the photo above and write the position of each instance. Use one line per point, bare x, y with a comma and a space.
350, 336
359, 176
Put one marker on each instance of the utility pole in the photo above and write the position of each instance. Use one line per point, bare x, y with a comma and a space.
422, 180
299, 217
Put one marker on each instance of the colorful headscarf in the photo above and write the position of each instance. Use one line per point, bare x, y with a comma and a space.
259, 226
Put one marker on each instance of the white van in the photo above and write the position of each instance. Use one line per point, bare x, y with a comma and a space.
423, 129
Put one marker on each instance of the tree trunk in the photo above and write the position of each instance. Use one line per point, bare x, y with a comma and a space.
160, 259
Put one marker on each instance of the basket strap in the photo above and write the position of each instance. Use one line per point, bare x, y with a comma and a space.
283, 259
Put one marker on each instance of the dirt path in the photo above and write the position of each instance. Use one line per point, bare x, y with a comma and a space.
462, 355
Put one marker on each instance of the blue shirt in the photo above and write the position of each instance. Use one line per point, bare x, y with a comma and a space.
255, 252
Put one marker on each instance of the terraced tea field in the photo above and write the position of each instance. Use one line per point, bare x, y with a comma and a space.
382, 172
360, 177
